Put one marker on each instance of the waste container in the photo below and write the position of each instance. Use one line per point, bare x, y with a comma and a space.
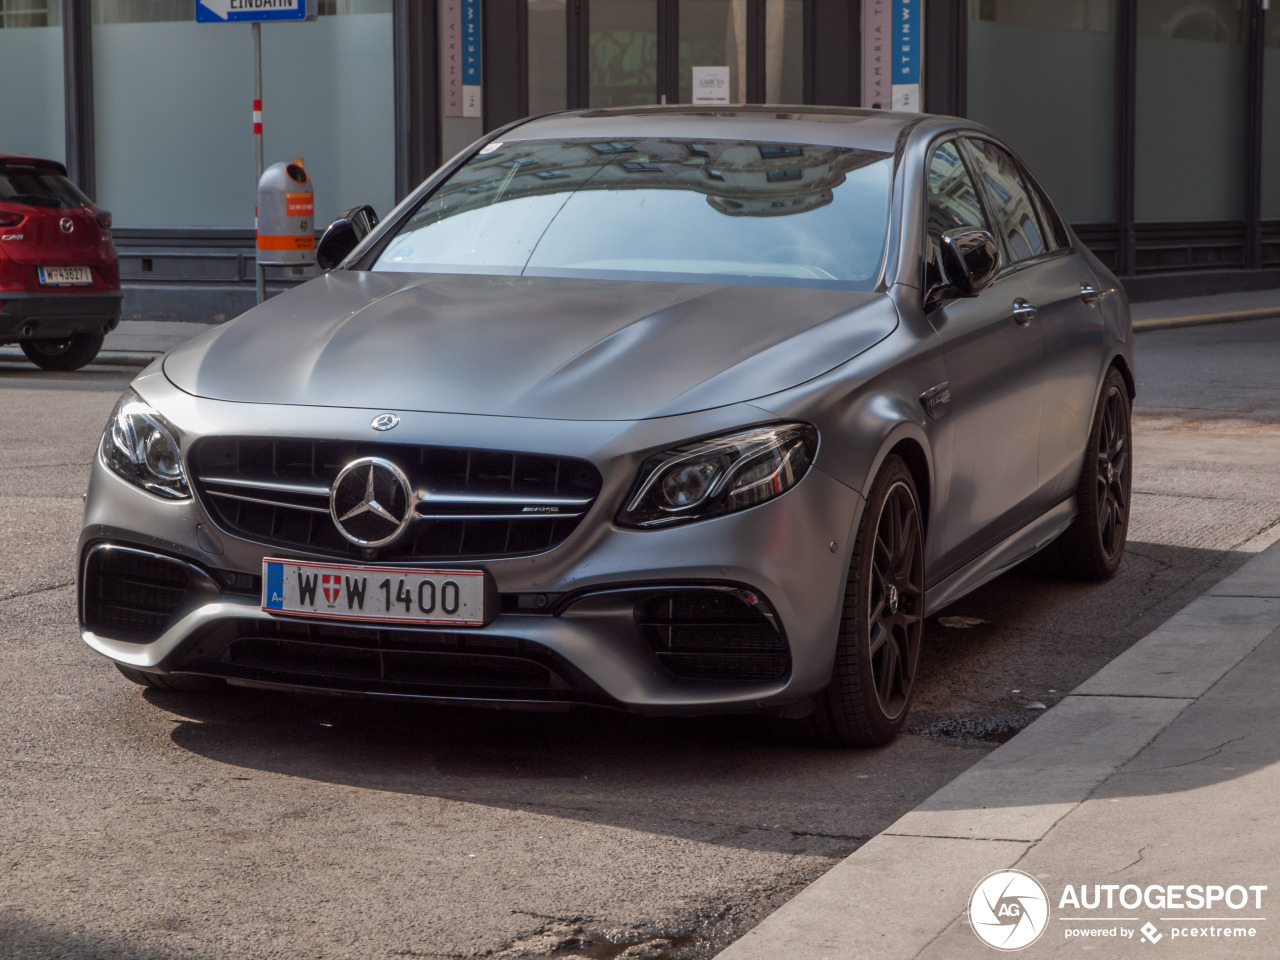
286, 216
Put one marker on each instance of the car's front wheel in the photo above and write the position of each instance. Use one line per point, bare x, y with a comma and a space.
878, 650
65, 353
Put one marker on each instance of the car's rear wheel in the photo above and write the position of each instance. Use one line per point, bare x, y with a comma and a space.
878, 650
1091, 548
157, 682
64, 353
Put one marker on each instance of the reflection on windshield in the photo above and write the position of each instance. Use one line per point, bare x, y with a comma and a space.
731, 211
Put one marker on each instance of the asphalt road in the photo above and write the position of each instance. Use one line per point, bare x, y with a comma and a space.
246, 825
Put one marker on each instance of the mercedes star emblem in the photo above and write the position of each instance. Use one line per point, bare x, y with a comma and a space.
66, 224
371, 502
384, 421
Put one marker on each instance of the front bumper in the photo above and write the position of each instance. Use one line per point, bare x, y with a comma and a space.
577, 613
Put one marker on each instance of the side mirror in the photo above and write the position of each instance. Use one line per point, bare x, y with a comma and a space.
971, 260
344, 235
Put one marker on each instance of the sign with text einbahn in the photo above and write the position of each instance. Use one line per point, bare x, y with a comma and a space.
249, 11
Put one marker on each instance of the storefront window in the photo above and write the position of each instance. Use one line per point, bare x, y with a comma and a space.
34, 121
172, 102
1271, 117
1042, 76
1190, 123
784, 51
623, 64
713, 33
548, 71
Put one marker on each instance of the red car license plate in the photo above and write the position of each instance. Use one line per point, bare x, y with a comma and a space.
65, 276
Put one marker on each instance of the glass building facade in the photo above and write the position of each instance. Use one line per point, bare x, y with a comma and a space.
1155, 124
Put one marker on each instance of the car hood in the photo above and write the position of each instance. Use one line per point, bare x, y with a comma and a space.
553, 348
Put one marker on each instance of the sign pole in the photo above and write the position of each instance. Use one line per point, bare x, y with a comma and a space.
257, 137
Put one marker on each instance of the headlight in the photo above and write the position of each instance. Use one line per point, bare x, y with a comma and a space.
139, 446
720, 475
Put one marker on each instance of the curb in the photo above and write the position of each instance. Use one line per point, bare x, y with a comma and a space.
1233, 316
107, 358
991, 815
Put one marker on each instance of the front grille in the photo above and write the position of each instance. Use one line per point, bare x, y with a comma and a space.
722, 634
471, 504
133, 595
387, 661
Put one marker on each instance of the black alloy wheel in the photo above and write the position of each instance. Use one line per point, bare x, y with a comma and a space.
66, 353
1112, 480
896, 601
878, 651
1092, 547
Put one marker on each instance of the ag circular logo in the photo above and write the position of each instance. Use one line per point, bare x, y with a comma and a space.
1009, 910
371, 502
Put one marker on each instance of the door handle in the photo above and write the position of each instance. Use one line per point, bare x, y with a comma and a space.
1089, 293
1023, 311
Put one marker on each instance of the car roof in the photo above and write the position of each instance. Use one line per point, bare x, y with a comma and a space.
880, 130
6, 157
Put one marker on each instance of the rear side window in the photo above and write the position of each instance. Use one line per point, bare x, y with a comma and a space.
1055, 235
1018, 219
38, 187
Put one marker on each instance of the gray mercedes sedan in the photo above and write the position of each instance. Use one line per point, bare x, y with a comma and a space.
675, 410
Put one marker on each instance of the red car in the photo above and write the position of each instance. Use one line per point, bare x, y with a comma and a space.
59, 277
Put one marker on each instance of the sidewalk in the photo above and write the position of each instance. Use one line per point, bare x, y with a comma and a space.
1161, 769
135, 343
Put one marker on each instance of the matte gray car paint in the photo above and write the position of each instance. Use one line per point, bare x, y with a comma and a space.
856, 371
638, 349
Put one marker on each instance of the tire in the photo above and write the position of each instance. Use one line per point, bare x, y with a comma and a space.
68, 353
157, 682
1092, 547
878, 649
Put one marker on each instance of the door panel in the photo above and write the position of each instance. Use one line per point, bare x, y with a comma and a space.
995, 365
996, 368
1073, 345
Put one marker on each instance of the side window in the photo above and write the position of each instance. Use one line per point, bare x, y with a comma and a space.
1055, 235
1018, 220
953, 202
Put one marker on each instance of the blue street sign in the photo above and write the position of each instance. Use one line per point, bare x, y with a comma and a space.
907, 37
249, 11
471, 42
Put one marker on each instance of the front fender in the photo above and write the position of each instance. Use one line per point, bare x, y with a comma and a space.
870, 406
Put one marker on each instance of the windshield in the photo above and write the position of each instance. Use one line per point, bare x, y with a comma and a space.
38, 188
722, 210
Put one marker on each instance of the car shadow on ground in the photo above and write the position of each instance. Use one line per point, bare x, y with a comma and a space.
729, 780
24, 938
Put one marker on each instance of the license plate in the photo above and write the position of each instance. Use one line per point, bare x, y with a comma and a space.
374, 594
65, 276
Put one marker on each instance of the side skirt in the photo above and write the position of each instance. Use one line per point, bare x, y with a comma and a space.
1004, 555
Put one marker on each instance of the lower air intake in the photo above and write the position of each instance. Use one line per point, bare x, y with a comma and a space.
721, 634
